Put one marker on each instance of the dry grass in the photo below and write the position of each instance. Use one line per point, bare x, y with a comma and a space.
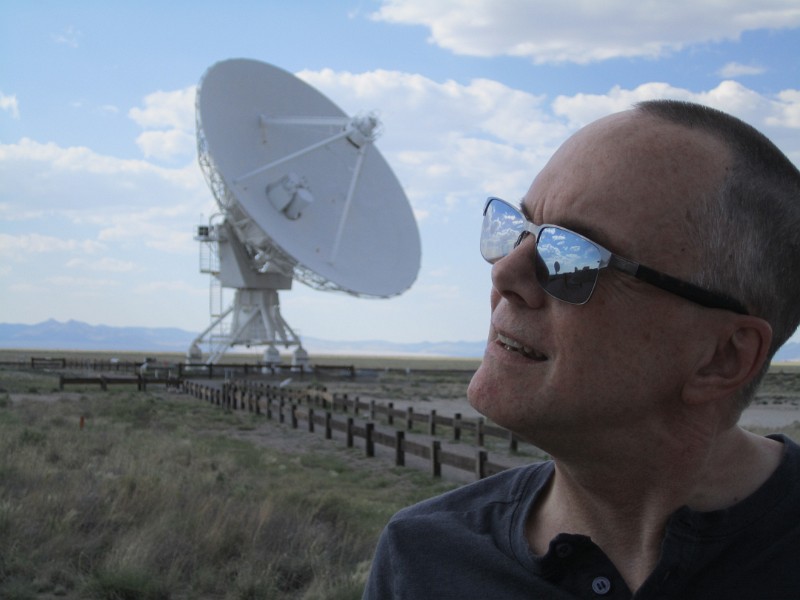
153, 498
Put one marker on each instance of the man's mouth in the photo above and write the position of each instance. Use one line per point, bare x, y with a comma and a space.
514, 346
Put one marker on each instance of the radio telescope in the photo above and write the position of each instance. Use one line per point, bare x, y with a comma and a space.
303, 195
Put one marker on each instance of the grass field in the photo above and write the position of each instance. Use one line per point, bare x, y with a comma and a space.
153, 498
150, 495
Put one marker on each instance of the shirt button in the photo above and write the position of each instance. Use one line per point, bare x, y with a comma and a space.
601, 586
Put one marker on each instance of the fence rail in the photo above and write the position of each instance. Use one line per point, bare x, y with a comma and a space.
315, 410
179, 370
372, 423
140, 381
240, 392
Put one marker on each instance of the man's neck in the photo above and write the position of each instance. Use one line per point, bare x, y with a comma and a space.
624, 505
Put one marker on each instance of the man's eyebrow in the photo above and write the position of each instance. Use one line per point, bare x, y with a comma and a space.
587, 231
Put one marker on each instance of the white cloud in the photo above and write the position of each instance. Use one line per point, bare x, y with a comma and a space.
550, 31
167, 110
78, 180
166, 144
733, 69
168, 118
788, 112
129, 209
729, 96
81, 285
167, 228
446, 139
22, 246
76, 159
452, 143
172, 286
68, 37
10, 105
106, 263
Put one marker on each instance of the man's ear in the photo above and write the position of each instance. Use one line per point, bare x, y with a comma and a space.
741, 349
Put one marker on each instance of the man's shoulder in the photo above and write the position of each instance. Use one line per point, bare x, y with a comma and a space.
504, 488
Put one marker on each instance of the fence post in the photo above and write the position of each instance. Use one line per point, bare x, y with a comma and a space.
432, 423
479, 431
328, 429
512, 442
372, 410
391, 413
60, 380
457, 426
369, 444
436, 466
399, 449
310, 420
349, 432
294, 416
281, 404
480, 464
103, 383
410, 418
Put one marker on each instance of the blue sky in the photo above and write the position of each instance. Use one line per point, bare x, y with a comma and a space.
101, 193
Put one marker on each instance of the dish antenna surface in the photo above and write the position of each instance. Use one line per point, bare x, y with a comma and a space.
303, 194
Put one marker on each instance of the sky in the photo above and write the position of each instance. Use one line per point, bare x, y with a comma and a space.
101, 193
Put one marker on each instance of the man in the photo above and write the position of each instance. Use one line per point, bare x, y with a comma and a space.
676, 233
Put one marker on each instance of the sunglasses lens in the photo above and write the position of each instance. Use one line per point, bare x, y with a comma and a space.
568, 265
503, 228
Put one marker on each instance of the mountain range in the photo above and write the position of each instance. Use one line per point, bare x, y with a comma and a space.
75, 335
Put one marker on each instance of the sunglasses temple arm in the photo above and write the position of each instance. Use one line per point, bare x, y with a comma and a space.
687, 290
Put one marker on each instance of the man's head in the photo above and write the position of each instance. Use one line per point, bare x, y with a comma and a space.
750, 243
647, 186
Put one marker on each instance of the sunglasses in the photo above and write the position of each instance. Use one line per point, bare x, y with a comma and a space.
568, 264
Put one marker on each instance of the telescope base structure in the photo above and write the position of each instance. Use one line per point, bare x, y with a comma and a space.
255, 320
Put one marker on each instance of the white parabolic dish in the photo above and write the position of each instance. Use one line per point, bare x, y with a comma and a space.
259, 125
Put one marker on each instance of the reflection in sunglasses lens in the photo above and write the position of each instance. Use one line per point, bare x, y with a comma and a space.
571, 265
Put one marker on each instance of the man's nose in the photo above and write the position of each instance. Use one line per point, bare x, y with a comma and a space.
514, 276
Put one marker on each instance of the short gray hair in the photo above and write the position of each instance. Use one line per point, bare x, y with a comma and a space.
750, 242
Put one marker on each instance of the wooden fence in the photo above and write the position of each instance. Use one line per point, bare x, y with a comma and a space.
374, 423
318, 410
139, 380
238, 393
180, 370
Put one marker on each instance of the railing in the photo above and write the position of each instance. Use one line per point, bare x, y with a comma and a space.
317, 409
180, 370
140, 381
